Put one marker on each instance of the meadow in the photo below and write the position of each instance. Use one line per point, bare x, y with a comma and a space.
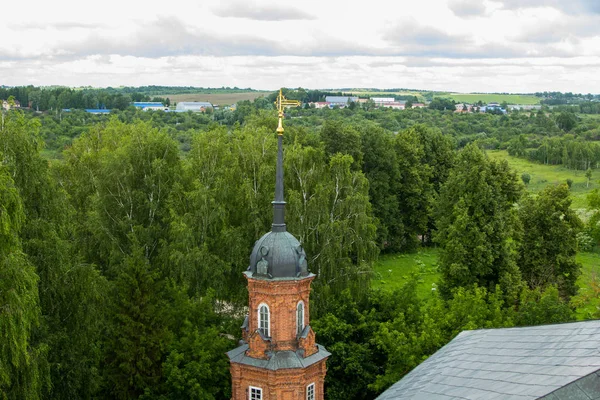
392, 271
221, 99
542, 175
493, 98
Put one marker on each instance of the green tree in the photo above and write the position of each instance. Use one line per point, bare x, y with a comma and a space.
476, 224
526, 178
138, 335
588, 175
549, 243
23, 372
566, 121
70, 292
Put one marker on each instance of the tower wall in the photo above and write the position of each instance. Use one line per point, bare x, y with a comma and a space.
282, 297
285, 384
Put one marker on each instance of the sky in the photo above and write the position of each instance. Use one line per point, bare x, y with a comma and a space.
516, 46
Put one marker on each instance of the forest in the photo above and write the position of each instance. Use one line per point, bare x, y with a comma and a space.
123, 238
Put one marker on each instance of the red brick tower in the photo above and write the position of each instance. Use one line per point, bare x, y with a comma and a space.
278, 359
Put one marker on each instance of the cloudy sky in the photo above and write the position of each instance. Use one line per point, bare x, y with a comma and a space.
456, 45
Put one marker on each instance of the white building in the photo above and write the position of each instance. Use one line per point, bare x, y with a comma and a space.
198, 106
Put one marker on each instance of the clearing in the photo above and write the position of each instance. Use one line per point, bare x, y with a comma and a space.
542, 175
393, 270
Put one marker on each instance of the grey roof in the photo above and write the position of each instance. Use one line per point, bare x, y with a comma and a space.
549, 362
340, 99
182, 104
280, 255
279, 359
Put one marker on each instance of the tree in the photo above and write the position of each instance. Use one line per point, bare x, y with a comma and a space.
139, 334
476, 223
588, 175
566, 121
525, 177
22, 361
71, 292
549, 244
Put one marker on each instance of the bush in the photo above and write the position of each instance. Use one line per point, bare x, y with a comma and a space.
526, 178
584, 242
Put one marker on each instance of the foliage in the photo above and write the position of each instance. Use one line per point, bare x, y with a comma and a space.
476, 222
549, 242
22, 361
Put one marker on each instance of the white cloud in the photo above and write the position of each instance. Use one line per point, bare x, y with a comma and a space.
496, 45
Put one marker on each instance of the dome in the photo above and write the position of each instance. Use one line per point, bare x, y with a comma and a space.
278, 255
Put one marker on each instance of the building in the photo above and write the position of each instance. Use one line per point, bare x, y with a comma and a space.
549, 362
97, 111
149, 105
382, 101
340, 101
7, 106
198, 106
278, 358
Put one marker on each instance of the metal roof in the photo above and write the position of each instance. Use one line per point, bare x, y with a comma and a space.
142, 104
340, 99
279, 359
194, 104
550, 362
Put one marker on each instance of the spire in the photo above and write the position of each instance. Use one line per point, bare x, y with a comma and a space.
279, 203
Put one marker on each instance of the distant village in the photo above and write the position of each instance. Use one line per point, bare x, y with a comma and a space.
330, 102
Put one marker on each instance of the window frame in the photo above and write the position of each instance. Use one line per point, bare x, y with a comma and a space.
311, 394
300, 324
260, 319
258, 392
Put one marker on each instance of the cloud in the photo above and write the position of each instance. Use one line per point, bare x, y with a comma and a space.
59, 25
261, 12
169, 36
573, 7
467, 8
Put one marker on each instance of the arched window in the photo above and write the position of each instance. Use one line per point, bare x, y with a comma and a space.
263, 320
299, 317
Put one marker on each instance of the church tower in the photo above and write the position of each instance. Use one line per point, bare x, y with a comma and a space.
278, 358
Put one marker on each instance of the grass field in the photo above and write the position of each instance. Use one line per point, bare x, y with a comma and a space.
588, 298
493, 98
221, 99
542, 175
393, 270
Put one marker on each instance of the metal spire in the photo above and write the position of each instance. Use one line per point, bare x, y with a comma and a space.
279, 203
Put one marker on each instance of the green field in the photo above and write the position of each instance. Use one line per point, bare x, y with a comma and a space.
542, 175
393, 270
587, 300
493, 98
221, 99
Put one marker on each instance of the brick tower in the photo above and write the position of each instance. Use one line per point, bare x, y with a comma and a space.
278, 358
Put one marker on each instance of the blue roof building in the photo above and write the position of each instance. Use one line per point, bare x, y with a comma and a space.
97, 111
144, 104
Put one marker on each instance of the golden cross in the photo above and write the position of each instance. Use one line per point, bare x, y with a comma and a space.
281, 103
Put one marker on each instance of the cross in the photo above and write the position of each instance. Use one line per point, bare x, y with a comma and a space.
281, 103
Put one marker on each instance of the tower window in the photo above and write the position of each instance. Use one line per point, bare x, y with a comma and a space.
299, 318
263, 320
310, 392
256, 393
